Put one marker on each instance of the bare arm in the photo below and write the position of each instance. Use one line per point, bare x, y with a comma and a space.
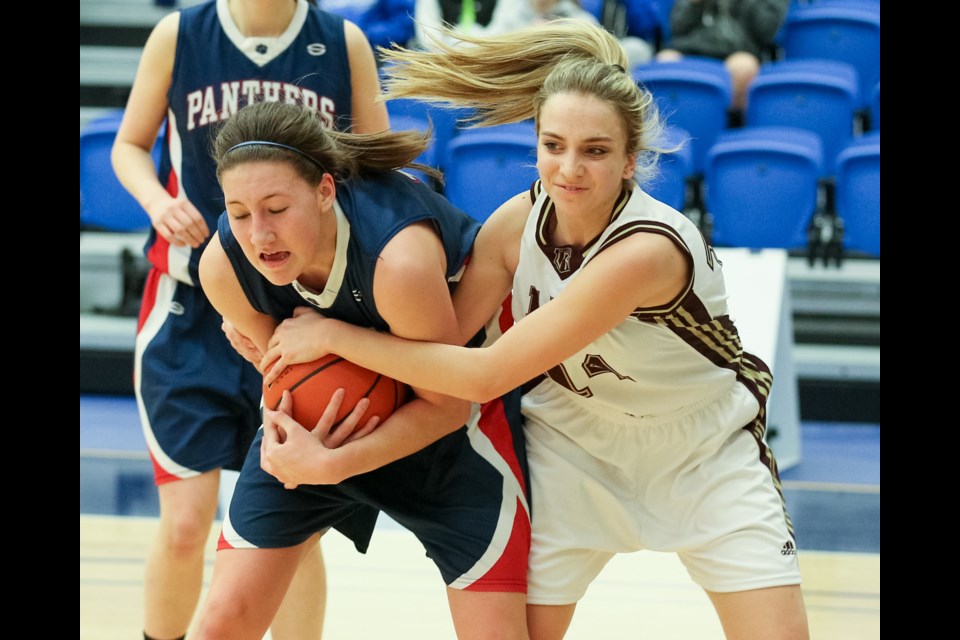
225, 294
649, 269
493, 261
412, 296
369, 113
178, 221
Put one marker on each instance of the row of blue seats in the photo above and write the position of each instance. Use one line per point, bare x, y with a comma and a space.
761, 184
820, 95
842, 30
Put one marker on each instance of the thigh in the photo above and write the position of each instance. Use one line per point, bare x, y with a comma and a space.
549, 622
488, 616
774, 613
247, 588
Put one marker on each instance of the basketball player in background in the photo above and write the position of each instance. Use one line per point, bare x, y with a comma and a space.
198, 400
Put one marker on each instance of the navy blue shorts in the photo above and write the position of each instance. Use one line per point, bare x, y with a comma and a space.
199, 400
465, 497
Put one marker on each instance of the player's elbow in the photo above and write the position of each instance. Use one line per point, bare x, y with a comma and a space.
453, 411
488, 388
488, 379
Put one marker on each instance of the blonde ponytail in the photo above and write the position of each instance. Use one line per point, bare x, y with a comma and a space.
507, 78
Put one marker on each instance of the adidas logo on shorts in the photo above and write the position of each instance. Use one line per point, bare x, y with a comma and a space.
788, 549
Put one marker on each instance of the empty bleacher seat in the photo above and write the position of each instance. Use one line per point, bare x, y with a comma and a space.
692, 94
488, 166
818, 95
670, 184
761, 186
104, 203
444, 121
874, 108
858, 194
843, 30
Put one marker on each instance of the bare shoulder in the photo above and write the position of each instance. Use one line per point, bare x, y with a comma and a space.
215, 267
166, 31
356, 40
413, 251
502, 231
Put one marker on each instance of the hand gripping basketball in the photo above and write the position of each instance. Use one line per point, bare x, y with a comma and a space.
312, 384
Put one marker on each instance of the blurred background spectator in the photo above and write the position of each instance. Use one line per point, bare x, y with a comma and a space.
739, 32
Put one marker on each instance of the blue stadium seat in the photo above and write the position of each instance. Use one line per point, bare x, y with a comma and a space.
444, 121
670, 185
594, 7
761, 186
874, 108
843, 30
104, 204
858, 194
488, 166
692, 94
817, 95
428, 157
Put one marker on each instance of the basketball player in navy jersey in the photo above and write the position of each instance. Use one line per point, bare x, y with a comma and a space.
198, 400
319, 219
644, 417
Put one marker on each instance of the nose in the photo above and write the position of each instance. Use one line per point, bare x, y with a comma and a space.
570, 165
262, 233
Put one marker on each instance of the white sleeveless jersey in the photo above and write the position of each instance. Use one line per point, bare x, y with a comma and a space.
658, 361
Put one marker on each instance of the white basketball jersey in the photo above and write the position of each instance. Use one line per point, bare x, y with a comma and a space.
658, 361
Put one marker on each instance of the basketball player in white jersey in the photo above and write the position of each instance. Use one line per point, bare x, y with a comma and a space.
644, 417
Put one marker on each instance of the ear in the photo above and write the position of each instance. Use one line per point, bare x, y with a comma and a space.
326, 192
630, 167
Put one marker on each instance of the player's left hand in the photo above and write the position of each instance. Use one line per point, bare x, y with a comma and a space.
293, 341
295, 456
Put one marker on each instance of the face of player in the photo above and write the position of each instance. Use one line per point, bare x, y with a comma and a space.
581, 154
285, 225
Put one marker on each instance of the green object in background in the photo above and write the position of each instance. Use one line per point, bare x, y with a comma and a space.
468, 16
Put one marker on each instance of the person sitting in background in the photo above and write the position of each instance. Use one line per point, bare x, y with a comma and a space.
739, 32
641, 14
469, 17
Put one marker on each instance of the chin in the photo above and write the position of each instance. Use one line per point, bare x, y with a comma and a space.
274, 278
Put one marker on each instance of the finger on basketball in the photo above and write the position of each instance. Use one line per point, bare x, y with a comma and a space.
328, 420
339, 433
368, 428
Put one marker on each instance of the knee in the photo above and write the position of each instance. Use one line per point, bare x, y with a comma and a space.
219, 619
185, 535
668, 55
743, 67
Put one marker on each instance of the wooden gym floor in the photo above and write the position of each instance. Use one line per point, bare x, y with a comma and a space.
395, 592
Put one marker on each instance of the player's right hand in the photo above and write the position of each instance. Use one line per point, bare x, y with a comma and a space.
242, 344
178, 221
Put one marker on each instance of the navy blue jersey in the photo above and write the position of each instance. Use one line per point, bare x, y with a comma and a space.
216, 71
375, 207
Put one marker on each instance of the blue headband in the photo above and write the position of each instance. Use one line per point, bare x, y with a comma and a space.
268, 143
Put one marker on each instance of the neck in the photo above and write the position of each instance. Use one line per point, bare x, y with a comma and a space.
578, 228
262, 18
316, 275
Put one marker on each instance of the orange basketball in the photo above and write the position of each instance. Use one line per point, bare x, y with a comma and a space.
313, 383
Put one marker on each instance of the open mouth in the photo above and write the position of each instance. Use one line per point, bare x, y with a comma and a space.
273, 259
